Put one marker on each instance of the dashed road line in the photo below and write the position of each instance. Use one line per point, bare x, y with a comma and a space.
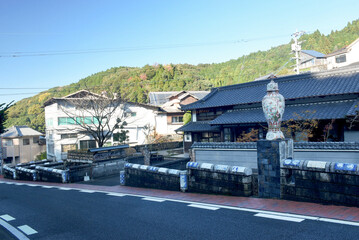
153, 199
65, 189
116, 194
277, 217
44, 186
86, 191
7, 217
203, 207
31, 185
13, 230
27, 229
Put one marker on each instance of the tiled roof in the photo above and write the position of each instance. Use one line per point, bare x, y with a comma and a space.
321, 110
159, 98
201, 126
20, 131
314, 53
326, 83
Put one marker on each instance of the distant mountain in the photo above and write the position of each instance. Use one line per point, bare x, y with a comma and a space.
134, 83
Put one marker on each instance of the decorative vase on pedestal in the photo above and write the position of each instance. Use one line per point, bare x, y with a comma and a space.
273, 107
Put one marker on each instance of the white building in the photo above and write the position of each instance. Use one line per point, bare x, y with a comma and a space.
63, 134
21, 144
343, 57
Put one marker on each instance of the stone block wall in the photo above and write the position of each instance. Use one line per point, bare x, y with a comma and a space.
219, 179
313, 181
270, 154
137, 175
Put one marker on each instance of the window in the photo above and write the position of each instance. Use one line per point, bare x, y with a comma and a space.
66, 121
188, 137
67, 147
49, 122
227, 135
210, 137
341, 58
86, 144
26, 141
7, 142
84, 120
130, 114
36, 139
68, 135
177, 119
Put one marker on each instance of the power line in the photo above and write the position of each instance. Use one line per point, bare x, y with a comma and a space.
126, 49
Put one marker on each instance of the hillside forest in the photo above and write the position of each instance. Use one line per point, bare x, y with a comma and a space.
134, 83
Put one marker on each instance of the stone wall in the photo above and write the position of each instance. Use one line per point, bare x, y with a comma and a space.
137, 175
219, 179
332, 183
204, 178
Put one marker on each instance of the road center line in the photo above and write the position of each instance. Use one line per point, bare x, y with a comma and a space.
27, 230
7, 217
203, 206
291, 219
13, 230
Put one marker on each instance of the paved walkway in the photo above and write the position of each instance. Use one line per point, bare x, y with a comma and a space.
283, 206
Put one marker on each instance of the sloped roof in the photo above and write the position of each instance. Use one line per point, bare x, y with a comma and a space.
334, 82
20, 131
200, 126
319, 110
314, 53
160, 98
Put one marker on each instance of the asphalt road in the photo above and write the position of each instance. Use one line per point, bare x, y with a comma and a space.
71, 214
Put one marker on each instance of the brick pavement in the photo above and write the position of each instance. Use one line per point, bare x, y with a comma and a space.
276, 205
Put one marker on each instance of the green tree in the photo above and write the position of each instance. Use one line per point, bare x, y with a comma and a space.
3, 115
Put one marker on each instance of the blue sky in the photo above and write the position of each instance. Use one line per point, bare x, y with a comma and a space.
144, 32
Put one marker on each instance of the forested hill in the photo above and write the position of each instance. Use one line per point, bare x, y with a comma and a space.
133, 84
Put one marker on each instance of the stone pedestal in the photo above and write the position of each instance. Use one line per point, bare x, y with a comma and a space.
270, 153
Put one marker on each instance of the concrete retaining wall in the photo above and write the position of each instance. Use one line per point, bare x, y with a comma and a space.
313, 181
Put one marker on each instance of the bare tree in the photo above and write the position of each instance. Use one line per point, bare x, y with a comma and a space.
95, 115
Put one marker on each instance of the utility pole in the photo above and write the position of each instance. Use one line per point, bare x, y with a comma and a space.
296, 48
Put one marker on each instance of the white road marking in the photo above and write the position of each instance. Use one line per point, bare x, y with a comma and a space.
19, 184
44, 186
27, 230
116, 194
291, 219
87, 191
339, 221
9, 183
7, 217
203, 206
65, 189
153, 199
31, 185
13, 230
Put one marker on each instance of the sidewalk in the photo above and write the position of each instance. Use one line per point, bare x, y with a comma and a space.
276, 205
